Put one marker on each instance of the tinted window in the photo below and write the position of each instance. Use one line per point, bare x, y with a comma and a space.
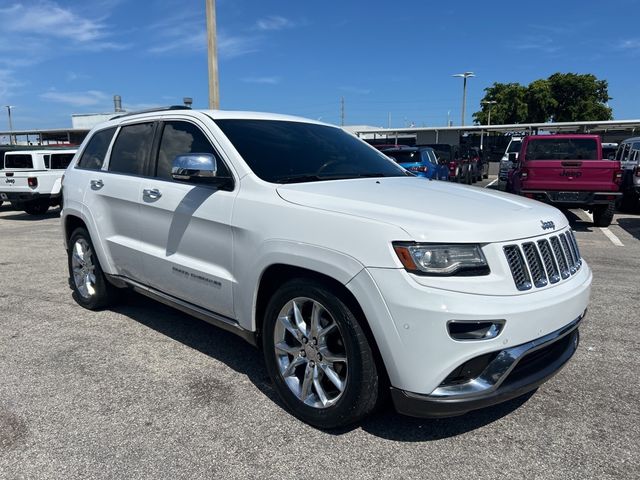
95, 151
514, 146
282, 151
179, 138
11, 160
562, 149
60, 161
443, 151
131, 149
47, 160
406, 157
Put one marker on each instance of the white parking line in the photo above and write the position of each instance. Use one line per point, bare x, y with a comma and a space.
608, 233
491, 183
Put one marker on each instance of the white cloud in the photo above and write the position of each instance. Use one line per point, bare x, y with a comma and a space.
8, 83
263, 80
630, 44
274, 22
77, 99
188, 40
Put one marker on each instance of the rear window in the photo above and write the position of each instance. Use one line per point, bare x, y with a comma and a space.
11, 160
562, 149
95, 151
405, 157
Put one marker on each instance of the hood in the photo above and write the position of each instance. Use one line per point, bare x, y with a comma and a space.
430, 211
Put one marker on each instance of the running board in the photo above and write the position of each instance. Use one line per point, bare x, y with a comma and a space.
213, 318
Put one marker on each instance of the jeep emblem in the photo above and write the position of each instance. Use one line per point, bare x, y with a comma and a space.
547, 225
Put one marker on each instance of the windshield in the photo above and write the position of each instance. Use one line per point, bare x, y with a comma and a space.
562, 149
514, 146
405, 157
431, 154
288, 152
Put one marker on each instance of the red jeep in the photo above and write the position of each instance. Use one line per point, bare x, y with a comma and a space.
567, 171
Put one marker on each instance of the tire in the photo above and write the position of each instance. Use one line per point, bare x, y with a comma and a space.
97, 293
304, 355
468, 178
603, 214
36, 208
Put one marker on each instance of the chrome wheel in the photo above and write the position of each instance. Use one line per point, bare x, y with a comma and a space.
310, 352
83, 268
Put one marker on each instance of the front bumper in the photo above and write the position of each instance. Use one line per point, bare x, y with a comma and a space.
512, 373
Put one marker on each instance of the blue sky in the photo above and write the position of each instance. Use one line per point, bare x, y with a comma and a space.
300, 57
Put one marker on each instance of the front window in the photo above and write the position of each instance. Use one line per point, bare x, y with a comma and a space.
514, 146
562, 149
289, 152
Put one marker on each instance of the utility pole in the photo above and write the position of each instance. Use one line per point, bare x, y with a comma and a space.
342, 111
491, 103
11, 139
212, 49
464, 76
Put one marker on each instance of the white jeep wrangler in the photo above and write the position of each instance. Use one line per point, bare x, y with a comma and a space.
31, 179
355, 277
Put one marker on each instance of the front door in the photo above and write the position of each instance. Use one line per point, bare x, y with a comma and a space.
185, 228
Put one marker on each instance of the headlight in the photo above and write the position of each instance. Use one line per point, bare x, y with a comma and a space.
441, 259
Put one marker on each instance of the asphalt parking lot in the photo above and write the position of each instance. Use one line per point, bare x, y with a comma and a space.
144, 391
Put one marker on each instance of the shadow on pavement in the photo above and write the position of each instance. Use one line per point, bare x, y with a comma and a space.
22, 216
577, 223
247, 360
631, 225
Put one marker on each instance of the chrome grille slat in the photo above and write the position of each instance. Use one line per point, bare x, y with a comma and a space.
561, 259
535, 264
568, 253
550, 264
518, 268
545, 261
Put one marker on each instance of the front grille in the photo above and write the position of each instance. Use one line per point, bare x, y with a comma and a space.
536, 264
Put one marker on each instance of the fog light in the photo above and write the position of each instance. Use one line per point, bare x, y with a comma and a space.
475, 330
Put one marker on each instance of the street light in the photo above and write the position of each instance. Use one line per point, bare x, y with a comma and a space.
9, 107
464, 76
491, 103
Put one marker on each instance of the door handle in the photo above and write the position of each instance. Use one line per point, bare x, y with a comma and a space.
97, 184
151, 193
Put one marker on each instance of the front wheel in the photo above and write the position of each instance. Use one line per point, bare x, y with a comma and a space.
318, 356
603, 214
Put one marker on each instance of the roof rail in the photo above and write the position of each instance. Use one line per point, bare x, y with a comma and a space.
151, 110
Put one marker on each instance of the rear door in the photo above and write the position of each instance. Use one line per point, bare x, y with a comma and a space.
185, 228
566, 164
113, 193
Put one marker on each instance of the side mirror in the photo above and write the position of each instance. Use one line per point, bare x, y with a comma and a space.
196, 167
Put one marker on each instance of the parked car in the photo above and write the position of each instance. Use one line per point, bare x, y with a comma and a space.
459, 166
609, 150
355, 277
510, 154
31, 179
628, 154
479, 166
567, 171
421, 161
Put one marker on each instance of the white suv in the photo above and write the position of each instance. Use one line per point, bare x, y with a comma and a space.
354, 276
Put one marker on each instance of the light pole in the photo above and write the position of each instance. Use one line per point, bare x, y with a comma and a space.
464, 76
491, 103
212, 49
9, 107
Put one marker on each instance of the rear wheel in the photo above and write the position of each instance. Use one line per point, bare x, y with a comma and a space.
86, 278
37, 208
603, 214
318, 356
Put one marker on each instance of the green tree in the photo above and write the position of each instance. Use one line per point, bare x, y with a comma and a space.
579, 97
510, 106
563, 97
